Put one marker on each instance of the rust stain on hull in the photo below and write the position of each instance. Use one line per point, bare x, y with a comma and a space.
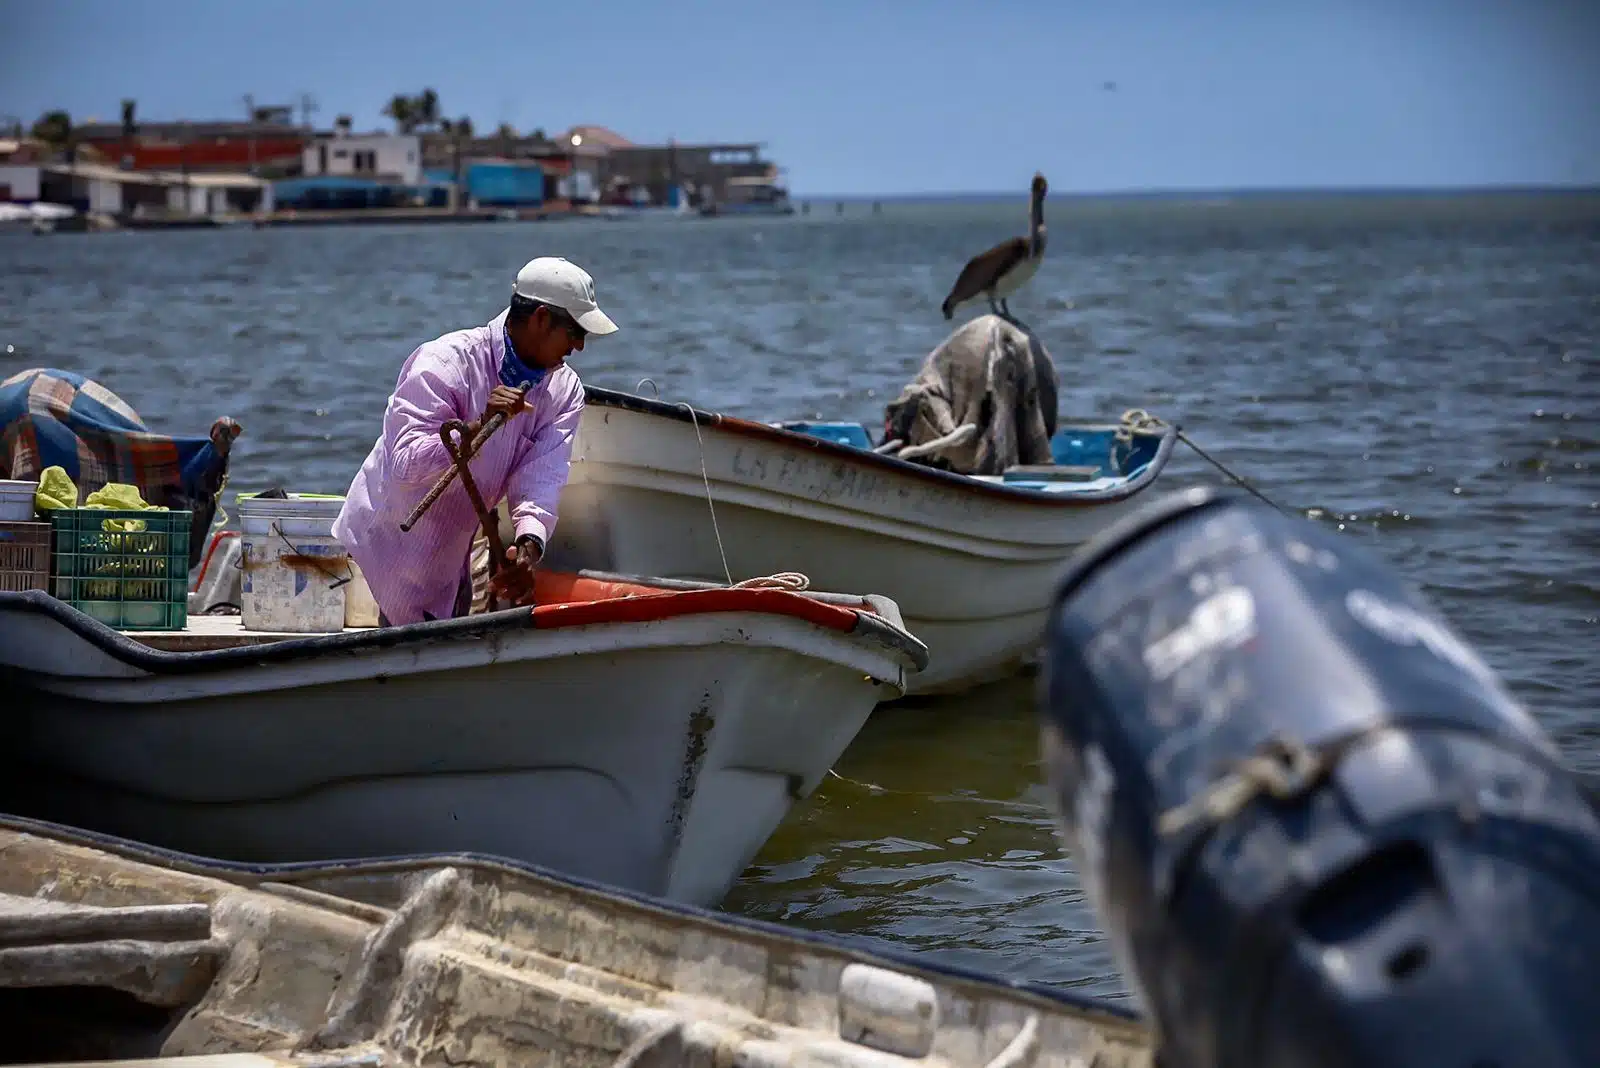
695, 744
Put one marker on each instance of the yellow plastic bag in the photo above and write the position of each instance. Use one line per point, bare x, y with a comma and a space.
120, 496
56, 490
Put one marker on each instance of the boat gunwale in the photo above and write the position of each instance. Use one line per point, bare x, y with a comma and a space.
253, 876
601, 397
859, 623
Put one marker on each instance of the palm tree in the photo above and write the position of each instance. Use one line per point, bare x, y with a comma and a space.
402, 109
54, 128
427, 108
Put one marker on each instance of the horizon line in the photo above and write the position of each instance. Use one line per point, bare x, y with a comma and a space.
1211, 192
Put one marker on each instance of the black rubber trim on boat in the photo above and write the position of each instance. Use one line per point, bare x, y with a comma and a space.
484, 865
880, 630
166, 662
609, 398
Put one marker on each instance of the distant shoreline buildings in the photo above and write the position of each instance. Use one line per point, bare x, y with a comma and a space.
270, 167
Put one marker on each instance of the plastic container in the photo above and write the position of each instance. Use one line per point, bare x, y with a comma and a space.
24, 556
16, 500
296, 573
298, 513
134, 579
360, 610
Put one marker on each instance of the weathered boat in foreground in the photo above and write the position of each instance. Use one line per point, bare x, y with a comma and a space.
112, 949
970, 560
649, 736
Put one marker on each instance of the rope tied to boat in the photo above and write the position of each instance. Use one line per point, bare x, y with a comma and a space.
220, 519
1138, 421
783, 580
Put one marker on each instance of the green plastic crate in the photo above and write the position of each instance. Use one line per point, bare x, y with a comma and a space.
127, 579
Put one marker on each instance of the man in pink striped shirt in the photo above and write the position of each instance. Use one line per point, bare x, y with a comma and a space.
516, 364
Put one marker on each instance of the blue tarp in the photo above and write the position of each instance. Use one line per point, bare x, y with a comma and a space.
51, 418
338, 191
495, 183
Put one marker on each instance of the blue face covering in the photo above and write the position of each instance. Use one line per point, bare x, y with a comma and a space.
515, 373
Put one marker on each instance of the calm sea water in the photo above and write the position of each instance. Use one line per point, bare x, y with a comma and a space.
1420, 371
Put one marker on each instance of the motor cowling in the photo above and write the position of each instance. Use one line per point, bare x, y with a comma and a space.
1318, 830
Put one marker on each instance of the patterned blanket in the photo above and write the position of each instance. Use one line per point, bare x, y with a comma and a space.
51, 418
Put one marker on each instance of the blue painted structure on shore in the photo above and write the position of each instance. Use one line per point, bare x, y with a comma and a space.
496, 183
491, 183
331, 191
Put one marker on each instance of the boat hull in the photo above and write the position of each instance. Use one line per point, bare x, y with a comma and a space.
971, 567
657, 756
468, 960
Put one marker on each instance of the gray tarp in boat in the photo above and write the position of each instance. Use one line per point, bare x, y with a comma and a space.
984, 401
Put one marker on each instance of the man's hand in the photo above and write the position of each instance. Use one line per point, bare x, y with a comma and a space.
502, 398
514, 582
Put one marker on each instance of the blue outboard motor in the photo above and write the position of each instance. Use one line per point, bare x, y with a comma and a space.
1317, 828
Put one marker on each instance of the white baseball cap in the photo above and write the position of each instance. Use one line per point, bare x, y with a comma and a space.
553, 280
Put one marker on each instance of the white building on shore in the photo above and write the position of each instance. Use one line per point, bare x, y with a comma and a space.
112, 191
391, 159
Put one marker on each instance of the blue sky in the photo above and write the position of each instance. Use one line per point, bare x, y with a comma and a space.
895, 96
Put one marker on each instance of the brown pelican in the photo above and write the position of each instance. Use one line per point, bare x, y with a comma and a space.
1001, 271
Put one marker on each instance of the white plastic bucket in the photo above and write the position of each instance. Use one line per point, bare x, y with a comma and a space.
296, 573
16, 500
298, 513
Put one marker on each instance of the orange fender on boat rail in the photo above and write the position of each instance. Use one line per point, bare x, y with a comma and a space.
649, 605
844, 615
567, 587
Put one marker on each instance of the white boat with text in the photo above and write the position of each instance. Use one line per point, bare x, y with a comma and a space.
970, 560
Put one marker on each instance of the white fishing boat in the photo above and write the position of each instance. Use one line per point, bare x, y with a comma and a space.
647, 736
38, 217
660, 489
115, 950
